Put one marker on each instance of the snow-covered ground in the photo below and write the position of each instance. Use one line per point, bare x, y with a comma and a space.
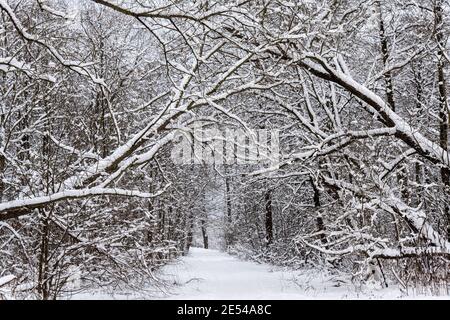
211, 274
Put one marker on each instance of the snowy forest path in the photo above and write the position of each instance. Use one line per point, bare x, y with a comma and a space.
211, 274
206, 274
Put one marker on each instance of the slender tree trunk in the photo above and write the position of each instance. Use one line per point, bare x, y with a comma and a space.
204, 230
152, 225
2, 169
402, 176
229, 218
443, 107
385, 54
43, 275
269, 218
319, 220
418, 79
190, 232
45, 286
170, 224
2, 133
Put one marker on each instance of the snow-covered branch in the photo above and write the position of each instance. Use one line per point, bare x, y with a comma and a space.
19, 207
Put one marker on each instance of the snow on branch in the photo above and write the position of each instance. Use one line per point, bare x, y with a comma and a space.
416, 218
6, 279
9, 64
18, 207
165, 12
372, 250
53, 11
411, 136
76, 66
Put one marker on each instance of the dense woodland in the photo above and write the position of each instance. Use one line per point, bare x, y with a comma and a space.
94, 94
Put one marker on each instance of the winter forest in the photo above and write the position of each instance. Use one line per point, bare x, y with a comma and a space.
295, 138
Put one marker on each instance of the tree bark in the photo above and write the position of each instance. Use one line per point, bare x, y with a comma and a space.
190, 232
319, 220
443, 107
402, 176
204, 231
229, 218
43, 287
269, 218
385, 55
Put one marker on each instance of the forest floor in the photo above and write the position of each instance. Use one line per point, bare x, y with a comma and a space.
211, 274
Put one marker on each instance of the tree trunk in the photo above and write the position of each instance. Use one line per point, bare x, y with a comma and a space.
2, 169
190, 234
204, 231
385, 54
443, 107
319, 220
418, 79
269, 218
229, 218
43, 287
402, 176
